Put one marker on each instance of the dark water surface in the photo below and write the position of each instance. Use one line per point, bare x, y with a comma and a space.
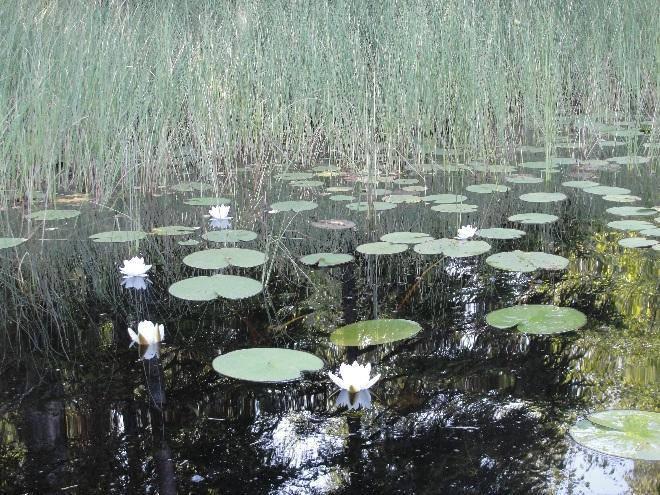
461, 407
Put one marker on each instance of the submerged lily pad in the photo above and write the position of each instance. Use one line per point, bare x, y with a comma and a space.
526, 261
537, 318
366, 206
333, 224
630, 225
455, 208
453, 248
378, 248
541, 197
119, 236
48, 215
374, 332
606, 190
209, 288
533, 218
406, 237
637, 242
215, 259
487, 188
624, 433
229, 235
207, 201
173, 230
445, 198
266, 364
631, 211
326, 259
500, 233
10, 242
296, 206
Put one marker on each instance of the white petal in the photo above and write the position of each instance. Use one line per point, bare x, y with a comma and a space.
338, 381
372, 381
134, 336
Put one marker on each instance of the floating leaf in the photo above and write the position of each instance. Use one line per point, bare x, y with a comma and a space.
337, 189
623, 433
541, 197
621, 198
414, 188
654, 232
10, 242
405, 182
631, 211
455, 208
453, 248
215, 259
406, 237
326, 259
445, 198
333, 224
207, 201
580, 184
630, 225
564, 161
306, 183
537, 318
523, 179
366, 206
538, 166
526, 261
500, 233
48, 215
381, 248
533, 218
266, 364
374, 332
294, 176
341, 197
630, 160
119, 236
402, 198
173, 230
229, 235
296, 206
606, 190
637, 242
487, 188
189, 242
209, 288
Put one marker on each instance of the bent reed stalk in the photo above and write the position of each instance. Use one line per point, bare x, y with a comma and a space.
98, 95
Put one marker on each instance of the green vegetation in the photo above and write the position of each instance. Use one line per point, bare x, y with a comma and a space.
96, 94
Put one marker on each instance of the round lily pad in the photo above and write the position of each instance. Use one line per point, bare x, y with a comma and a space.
338, 189
621, 198
49, 215
500, 233
209, 288
523, 179
402, 198
406, 237
189, 242
326, 259
207, 201
266, 364
630, 160
637, 242
215, 259
341, 197
230, 236
445, 198
624, 433
455, 208
564, 160
366, 206
453, 248
294, 176
654, 232
333, 224
374, 332
306, 183
580, 184
487, 188
533, 218
526, 261
632, 211
541, 197
405, 182
173, 230
606, 190
10, 242
630, 225
296, 206
377, 248
414, 188
537, 318
119, 236
538, 165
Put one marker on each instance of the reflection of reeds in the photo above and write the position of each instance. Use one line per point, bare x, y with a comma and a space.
98, 93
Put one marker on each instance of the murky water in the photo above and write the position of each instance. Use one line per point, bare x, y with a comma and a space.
461, 407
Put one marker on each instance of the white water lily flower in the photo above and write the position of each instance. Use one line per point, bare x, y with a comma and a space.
134, 267
220, 212
466, 232
354, 377
148, 333
354, 401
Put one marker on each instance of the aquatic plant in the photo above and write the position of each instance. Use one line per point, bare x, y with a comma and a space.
354, 377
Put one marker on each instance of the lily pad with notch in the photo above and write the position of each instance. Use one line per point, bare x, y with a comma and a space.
500, 233
453, 248
216, 259
526, 261
375, 332
295, 206
173, 230
406, 237
381, 248
538, 319
216, 286
533, 218
266, 364
326, 259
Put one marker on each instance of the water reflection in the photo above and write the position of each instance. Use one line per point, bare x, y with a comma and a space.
137, 283
355, 400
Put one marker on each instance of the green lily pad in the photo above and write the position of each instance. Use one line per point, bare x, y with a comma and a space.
405, 182
189, 242
539, 319
210, 288
406, 237
207, 201
341, 197
296, 206
366, 206
266, 364
326, 259
455, 208
119, 236
453, 248
294, 176
230, 235
631, 211
564, 161
10, 242
541, 197
339, 189
414, 188
637, 242
49, 215
621, 198
487, 188
606, 190
333, 224
630, 160
492, 169
624, 433
533, 218
173, 230
215, 259
538, 166
445, 198
580, 184
654, 232
523, 179
610, 144
189, 186
526, 261
500, 233
306, 183
402, 198
630, 225
379, 248
374, 332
